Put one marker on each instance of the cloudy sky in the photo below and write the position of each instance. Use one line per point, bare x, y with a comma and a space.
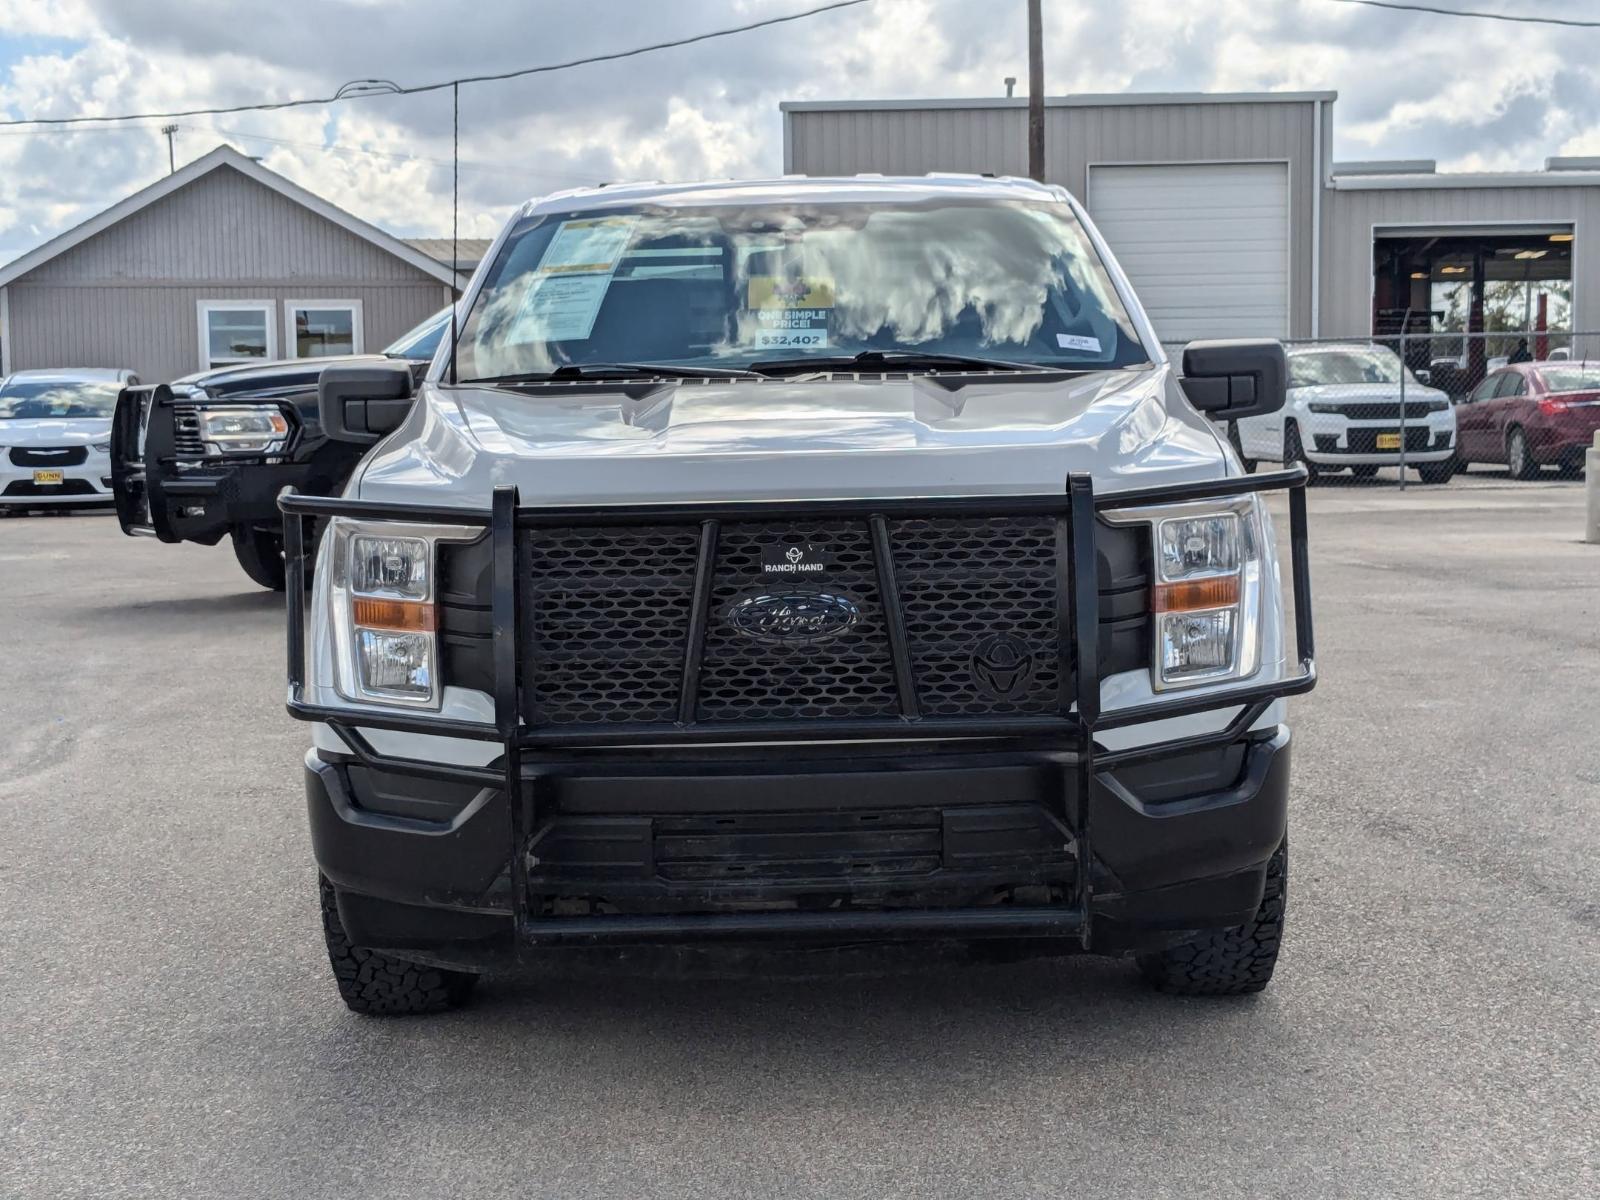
1474, 94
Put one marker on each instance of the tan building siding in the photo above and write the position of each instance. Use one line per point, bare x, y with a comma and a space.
1352, 215
128, 295
991, 137
154, 329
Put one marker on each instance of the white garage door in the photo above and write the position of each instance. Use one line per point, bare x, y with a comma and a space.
1205, 244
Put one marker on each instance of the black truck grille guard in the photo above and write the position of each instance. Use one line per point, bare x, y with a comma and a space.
888, 673
155, 438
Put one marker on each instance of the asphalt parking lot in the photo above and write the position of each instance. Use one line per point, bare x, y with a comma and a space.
171, 1029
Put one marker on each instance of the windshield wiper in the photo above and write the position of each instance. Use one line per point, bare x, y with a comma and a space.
888, 360
619, 370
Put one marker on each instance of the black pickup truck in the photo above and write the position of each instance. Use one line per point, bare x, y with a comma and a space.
204, 457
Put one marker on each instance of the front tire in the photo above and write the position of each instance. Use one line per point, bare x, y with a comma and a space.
1441, 472
379, 985
1294, 451
1364, 471
1518, 457
1228, 962
261, 555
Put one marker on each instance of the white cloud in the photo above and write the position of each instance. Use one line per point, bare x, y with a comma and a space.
1469, 93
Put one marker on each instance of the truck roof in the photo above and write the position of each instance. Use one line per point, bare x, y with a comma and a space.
841, 189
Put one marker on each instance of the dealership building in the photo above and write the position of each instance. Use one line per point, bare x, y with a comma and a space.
1232, 218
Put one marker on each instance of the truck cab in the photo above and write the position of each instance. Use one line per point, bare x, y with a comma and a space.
800, 560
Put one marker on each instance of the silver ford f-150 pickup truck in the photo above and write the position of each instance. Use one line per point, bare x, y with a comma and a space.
817, 560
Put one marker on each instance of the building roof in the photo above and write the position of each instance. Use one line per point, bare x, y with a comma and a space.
469, 251
1081, 100
225, 156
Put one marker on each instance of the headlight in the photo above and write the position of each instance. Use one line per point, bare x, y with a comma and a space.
1206, 597
1326, 408
1436, 405
385, 621
102, 447
243, 429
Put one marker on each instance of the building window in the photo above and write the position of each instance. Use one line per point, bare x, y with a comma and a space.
235, 331
318, 328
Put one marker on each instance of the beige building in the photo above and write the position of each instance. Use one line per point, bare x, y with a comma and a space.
222, 261
1230, 215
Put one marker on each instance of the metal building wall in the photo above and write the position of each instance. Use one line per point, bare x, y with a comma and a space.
990, 136
127, 296
1353, 213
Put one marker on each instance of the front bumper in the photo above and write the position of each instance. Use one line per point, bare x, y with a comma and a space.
947, 842
1337, 442
88, 482
907, 826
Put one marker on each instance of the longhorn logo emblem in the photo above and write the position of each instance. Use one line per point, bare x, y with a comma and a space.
1002, 665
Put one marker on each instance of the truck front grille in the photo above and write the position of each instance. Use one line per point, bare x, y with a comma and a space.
608, 613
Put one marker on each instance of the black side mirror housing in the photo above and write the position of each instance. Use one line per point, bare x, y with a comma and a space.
1235, 377
363, 404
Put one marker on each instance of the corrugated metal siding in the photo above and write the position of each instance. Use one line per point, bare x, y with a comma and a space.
913, 141
1352, 215
908, 141
127, 296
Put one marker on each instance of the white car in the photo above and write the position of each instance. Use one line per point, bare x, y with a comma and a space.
55, 436
799, 560
1344, 411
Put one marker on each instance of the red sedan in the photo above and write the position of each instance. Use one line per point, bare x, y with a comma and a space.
1530, 415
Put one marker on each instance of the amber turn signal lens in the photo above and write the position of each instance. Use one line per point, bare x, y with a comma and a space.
1191, 595
408, 616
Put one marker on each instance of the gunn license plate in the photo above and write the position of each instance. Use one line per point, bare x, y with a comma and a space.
1388, 441
54, 477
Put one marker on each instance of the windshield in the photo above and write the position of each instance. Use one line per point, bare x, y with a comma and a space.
22, 399
731, 287
1579, 377
1352, 365
419, 344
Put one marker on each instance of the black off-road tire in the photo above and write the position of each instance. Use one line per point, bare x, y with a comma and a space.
378, 985
1228, 962
261, 555
1441, 472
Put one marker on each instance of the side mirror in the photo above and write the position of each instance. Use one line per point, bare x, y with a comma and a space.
1424, 375
363, 404
1235, 377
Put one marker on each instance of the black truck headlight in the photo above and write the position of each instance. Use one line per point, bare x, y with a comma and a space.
243, 429
385, 620
1205, 599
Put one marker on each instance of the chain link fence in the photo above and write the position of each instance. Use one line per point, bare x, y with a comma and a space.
1430, 409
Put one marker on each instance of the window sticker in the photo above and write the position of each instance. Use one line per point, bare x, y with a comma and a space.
579, 247
788, 313
1071, 341
559, 308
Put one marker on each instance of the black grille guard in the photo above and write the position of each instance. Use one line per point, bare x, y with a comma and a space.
1068, 736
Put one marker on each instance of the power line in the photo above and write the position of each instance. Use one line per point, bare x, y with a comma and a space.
367, 87
1571, 22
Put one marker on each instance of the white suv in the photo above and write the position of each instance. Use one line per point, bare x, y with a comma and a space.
1344, 411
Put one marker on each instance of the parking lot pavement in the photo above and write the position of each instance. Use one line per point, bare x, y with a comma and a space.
170, 1027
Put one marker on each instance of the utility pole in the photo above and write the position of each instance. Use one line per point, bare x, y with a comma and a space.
172, 157
1035, 92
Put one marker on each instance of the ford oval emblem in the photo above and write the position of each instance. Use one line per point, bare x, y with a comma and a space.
792, 617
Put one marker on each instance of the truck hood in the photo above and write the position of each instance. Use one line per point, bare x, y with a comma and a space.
54, 431
841, 436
